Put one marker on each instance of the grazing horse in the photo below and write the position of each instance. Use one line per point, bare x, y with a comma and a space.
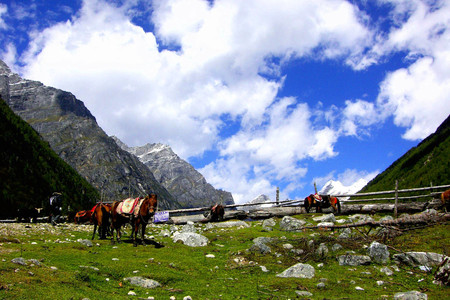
322, 201
445, 199
139, 215
215, 213
100, 217
83, 216
27, 215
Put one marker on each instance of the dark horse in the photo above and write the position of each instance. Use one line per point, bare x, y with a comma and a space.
215, 213
100, 218
140, 216
326, 202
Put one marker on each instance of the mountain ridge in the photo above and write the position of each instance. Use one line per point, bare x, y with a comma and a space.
179, 177
73, 133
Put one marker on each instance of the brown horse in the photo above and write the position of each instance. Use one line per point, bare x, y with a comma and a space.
101, 214
140, 216
215, 214
325, 202
445, 199
82, 216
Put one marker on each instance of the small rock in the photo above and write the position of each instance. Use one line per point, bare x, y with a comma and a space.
387, 271
303, 294
19, 261
87, 243
210, 255
131, 293
288, 246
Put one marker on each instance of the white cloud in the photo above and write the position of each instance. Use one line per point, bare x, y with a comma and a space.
3, 11
142, 91
358, 115
417, 96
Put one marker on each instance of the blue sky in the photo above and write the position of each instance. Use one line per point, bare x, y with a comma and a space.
254, 94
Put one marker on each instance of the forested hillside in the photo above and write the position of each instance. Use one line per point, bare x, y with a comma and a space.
30, 171
427, 163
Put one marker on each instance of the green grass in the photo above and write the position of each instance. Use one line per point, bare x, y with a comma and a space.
234, 272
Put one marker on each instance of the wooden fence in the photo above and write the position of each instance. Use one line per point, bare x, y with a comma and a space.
433, 191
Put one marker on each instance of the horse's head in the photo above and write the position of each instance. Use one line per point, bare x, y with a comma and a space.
152, 203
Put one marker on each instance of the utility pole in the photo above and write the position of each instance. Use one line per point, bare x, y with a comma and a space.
278, 195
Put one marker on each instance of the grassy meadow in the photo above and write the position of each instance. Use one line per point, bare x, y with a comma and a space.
224, 269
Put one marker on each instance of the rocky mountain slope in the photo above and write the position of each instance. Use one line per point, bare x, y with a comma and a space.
427, 163
179, 177
73, 133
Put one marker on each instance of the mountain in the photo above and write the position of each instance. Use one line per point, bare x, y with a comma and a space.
179, 177
260, 199
30, 171
73, 133
428, 162
333, 187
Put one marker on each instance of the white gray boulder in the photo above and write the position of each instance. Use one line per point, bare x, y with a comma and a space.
299, 271
143, 282
291, 224
411, 295
190, 239
417, 259
379, 253
354, 260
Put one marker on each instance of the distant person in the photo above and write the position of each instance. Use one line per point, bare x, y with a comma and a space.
55, 207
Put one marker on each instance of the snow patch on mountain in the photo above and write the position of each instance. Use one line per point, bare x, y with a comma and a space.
333, 187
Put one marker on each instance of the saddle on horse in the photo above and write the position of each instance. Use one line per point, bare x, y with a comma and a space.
129, 206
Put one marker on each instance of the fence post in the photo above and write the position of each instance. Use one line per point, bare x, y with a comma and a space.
396, 199
278, 195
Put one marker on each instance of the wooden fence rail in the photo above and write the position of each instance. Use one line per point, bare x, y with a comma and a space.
433, 192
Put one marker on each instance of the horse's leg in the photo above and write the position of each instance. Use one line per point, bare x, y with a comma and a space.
95, 228
307, 206
143, 234
135, 232
113, 226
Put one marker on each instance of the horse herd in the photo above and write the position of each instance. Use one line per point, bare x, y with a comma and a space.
139, 212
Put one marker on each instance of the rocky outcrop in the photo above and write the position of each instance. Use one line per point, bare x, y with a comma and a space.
73, 133
179, 177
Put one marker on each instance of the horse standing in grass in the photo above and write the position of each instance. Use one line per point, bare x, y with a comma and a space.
83, 216
445, 199
100, 218
139, 215
322, 201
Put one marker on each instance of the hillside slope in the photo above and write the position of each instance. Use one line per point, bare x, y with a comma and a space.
30, 171
427, 163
